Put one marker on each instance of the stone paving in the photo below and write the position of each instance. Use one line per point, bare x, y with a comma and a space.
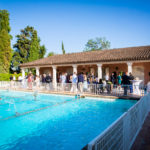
142, 141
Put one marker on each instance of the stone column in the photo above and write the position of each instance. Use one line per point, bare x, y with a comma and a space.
74, 68
99, 71
129, 67
37, 71
54, 76
23, 73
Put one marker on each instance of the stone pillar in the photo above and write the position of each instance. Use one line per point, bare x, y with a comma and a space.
99, 71
129, 67
74, 68
23, 73
54, 76
37, 71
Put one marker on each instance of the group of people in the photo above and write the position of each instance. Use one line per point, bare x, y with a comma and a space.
80, 82
123, 79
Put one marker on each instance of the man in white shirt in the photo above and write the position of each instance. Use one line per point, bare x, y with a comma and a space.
63, 81
107, 77
74, 82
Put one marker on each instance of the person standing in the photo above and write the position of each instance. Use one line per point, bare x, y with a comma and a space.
125, 82
85, 84
11, 81
63, 81
20, 79
119, 79
131, 77
30, 81
43, 79
112, 78
80, 82
74, 82
37, 81
48, 80
107, 77
11, 78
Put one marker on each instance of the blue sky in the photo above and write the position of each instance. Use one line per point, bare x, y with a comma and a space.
124, 23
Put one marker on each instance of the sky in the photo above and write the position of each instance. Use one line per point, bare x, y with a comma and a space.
125, 23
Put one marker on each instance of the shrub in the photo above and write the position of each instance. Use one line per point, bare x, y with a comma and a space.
6, 76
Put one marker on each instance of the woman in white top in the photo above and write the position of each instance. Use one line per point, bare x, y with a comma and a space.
37, 81
85, 85
106, 77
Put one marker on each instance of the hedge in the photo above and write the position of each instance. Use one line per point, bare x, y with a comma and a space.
6, 76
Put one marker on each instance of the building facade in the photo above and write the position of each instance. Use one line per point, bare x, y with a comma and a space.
132, 59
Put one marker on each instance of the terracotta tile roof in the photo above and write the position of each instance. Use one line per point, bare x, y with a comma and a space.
121, 54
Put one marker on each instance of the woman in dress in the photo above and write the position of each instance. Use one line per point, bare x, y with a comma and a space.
30, 81
119, 79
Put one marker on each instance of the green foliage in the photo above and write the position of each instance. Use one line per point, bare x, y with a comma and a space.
63, 50
34, 47
6, 76
42, 51
27, 47
50, 54
97, 44
5, 45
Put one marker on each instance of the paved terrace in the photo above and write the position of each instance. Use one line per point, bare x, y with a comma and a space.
105, 95
142, 141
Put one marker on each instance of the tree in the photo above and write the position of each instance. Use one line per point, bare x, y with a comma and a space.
27, 47
50, 54
42, 51
63, 50
34, 47
97, 44
5, 42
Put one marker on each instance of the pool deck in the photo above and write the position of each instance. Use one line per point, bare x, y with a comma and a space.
130, 97
142, 141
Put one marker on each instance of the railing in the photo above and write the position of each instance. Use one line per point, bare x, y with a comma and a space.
122, 133
96, 89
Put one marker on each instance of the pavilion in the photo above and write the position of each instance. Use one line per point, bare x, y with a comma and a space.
101, 62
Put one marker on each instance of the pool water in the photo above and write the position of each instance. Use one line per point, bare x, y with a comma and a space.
54, 122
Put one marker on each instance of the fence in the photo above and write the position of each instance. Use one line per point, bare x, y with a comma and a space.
122, 133
96, 89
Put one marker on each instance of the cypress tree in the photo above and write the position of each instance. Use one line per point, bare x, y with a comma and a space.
63, 50
5, 42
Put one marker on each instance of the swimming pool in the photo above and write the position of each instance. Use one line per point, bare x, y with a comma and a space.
54, 122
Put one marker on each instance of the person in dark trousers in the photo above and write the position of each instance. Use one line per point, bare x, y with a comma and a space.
11, 78
80, 82
131, 77
101, 88
125, 82
48, 78
112, 78
43, 79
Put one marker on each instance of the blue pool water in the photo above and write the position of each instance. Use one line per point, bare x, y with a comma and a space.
54, 122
